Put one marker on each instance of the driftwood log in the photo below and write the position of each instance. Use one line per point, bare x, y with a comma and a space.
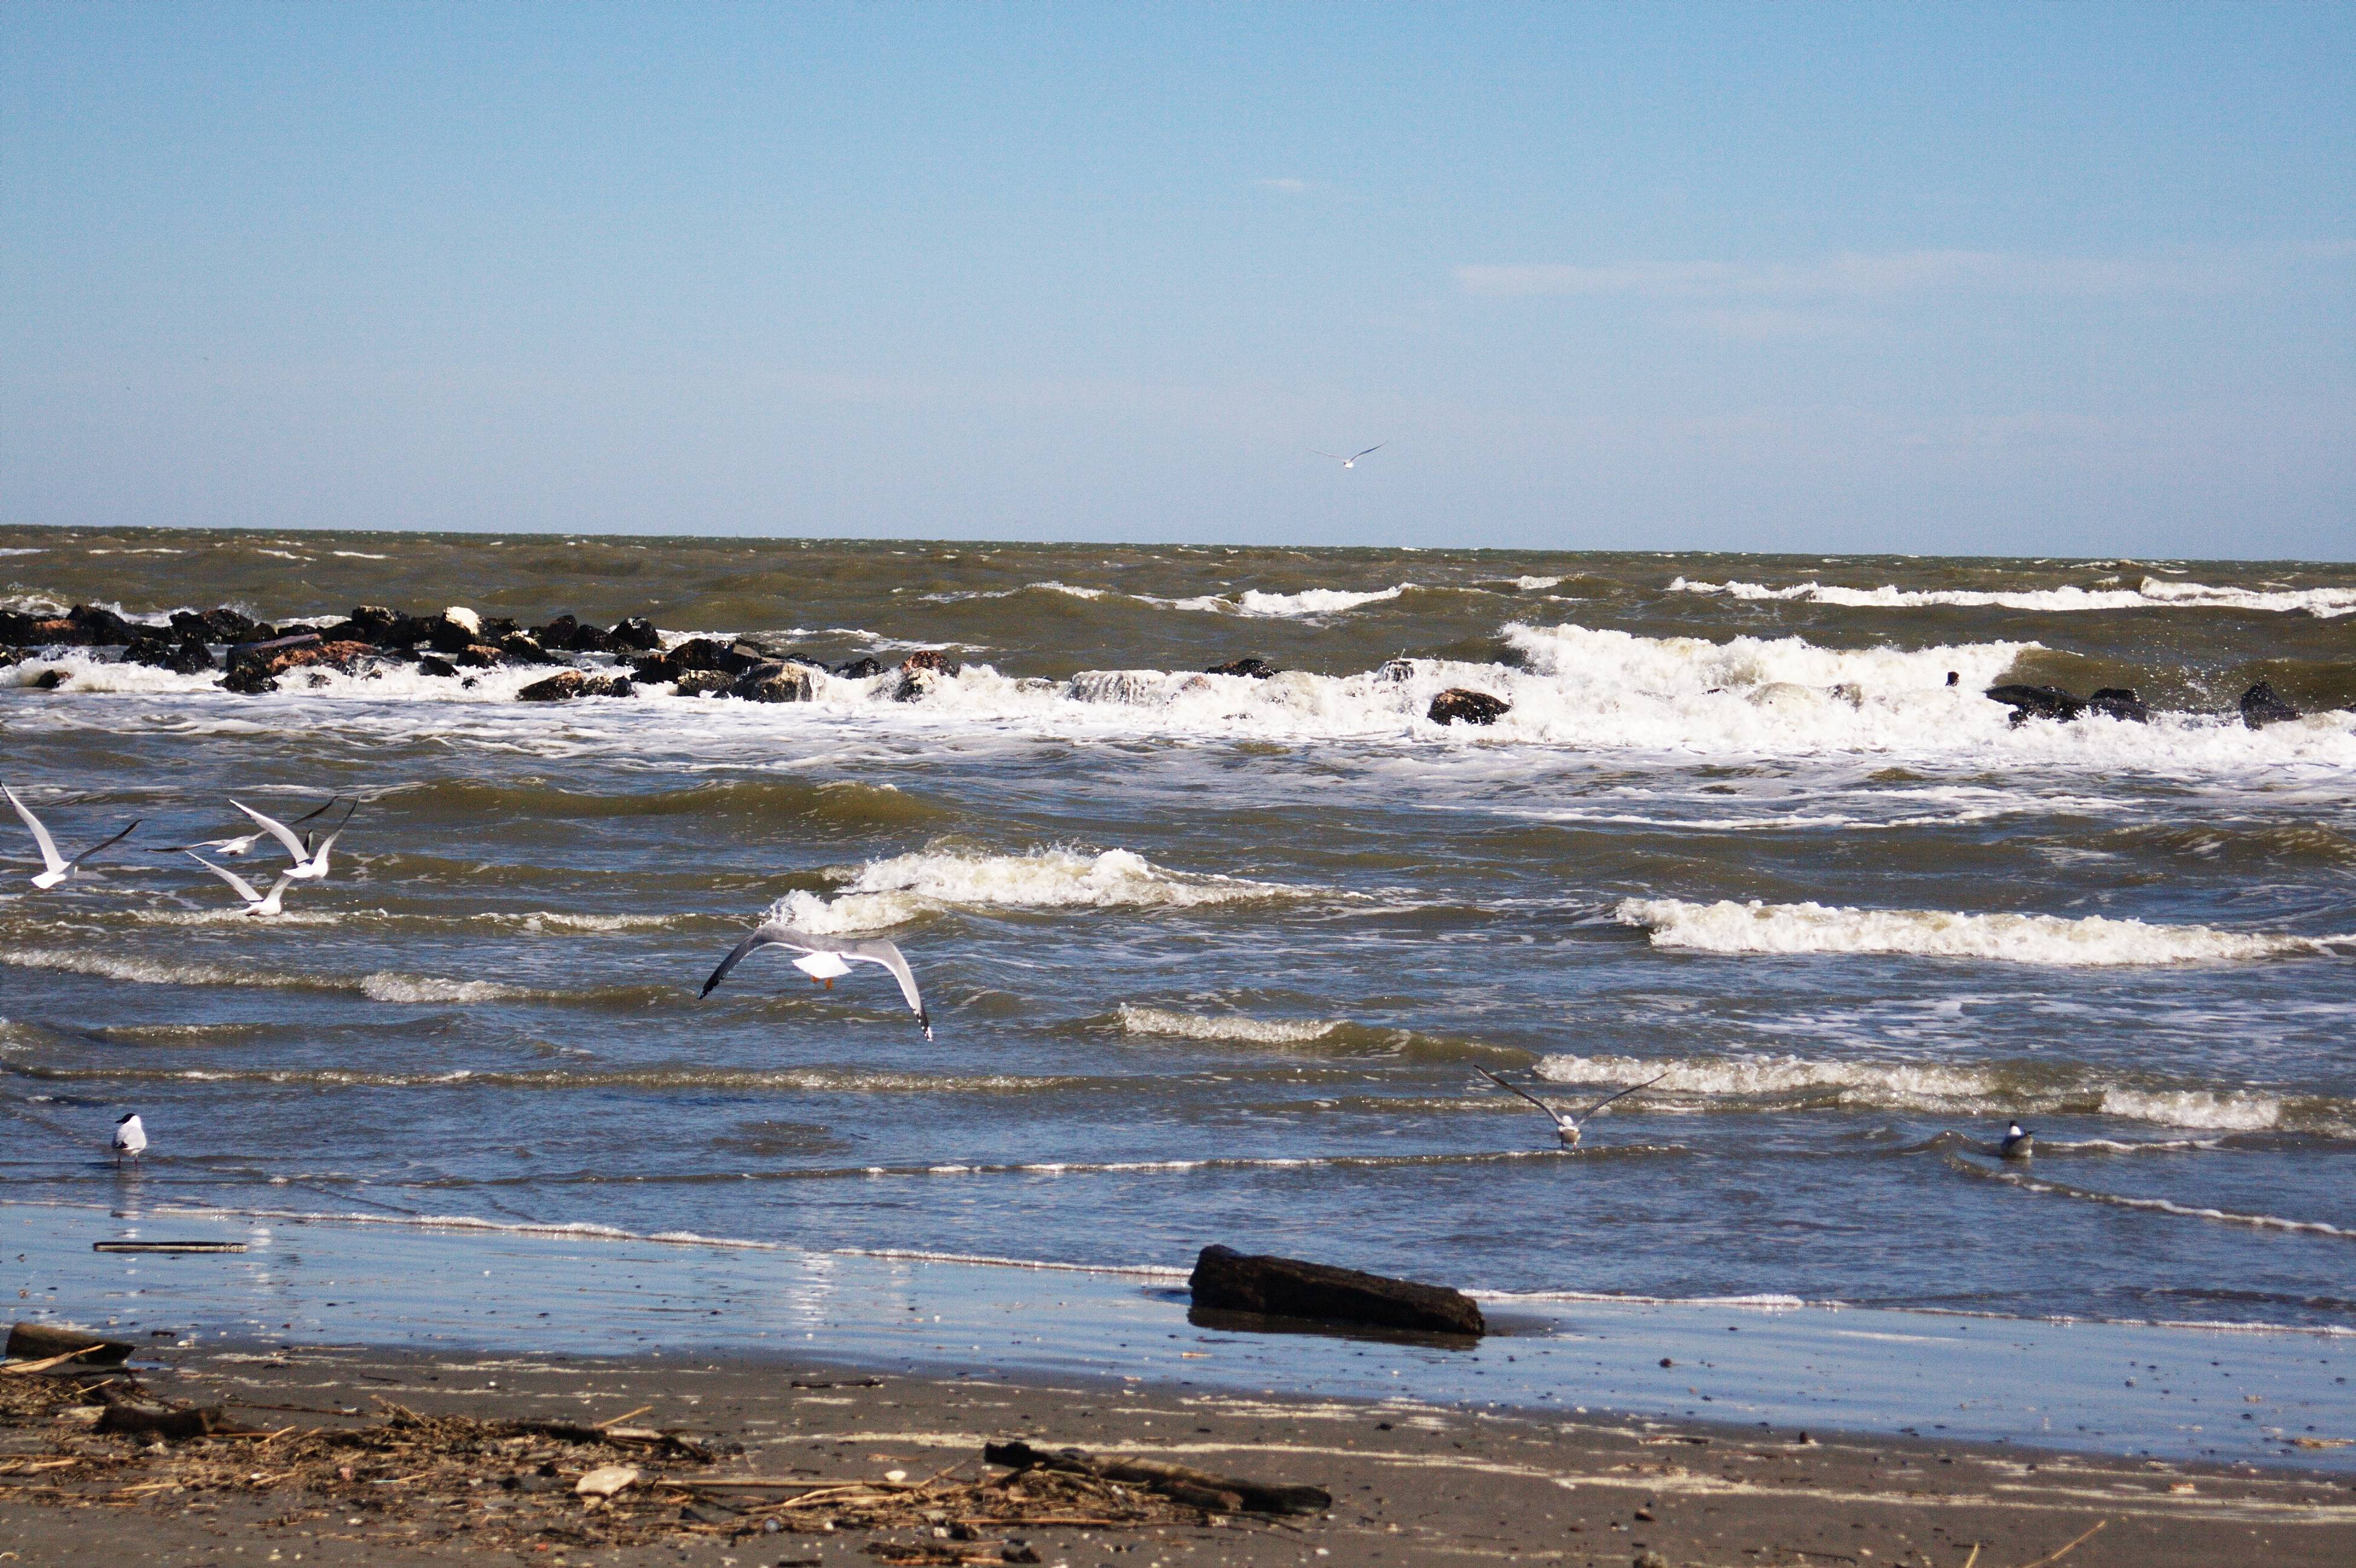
1229, 1281
32, 1341
1195, 1489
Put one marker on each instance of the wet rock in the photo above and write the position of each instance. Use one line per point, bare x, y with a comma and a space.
561, 687
570, 635
860, 668
254, 667
2261, 707
18, 629
636, 634
2038, 703
220, 626
1460, 705
920, 671
525, 648
1228, 1280
102, 628
49, 679
378, 627
774, 682
181, 656
449, 638
429, 665
80, 628
1395, 670
2119, 703
1254, 666
478, 656
609, 686
696, 682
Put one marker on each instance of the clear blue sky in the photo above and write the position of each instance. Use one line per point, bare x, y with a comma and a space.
2038, 279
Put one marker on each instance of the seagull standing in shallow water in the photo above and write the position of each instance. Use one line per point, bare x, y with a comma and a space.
823, 959
55, 868
130, 1138
264, 904
1565, 1125
309, 863
2019, 1143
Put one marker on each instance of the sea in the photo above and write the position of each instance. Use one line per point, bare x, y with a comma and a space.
1228, 958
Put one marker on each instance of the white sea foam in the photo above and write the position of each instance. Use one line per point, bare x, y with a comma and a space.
1229, 1027
387, 986
892, 892
22, 551
1727, 927
1531, 585
2151, 593
1049, 586
382, 987
1307, 603
361, 555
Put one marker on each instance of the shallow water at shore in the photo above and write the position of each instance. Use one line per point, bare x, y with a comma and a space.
1213, 959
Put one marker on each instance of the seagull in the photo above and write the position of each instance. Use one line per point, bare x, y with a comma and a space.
2019, 1144
266, 906
55, 867
309, 863
226, 847
1351, 460
1565, 1125
130, 1138
823, 959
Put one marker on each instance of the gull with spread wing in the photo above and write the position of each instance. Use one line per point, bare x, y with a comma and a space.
1351, 460
1565, 1125
235, 846
310, 863
825, 958
264, 905
55, 867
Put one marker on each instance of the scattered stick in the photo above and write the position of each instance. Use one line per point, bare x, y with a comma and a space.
1195, 1489
12, 1369
2057, 1556
1973, 1557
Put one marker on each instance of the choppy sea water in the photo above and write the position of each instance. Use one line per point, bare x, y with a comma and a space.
1214, 959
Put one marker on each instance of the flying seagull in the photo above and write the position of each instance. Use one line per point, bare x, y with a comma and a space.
1565, 1125
130, 1138
233, 846
2019, 1143
55, 868
824, 960
1351, 460
264, 904
309, 863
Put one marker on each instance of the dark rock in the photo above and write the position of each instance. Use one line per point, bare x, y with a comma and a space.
429, 665
1395, 670
702, 653
47, 680
183, 657
1229, 1281
609, 686
525, 648
2038, 703
478, 656
1459, 705
570, 635
860, 668
635, 633
1258, 668
920, 669
81, 628
222, 625
743, 656
696, 682
451, 637
2119, 703
263, 652
774, 682
2261, 707
9, 656
102, 628
561, 687
254, 667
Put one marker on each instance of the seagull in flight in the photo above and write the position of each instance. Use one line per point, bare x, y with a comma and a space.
1351, 460
233, 846
825, 958
309, 863
55, 868
266, 906
1565, 1125
130, 1138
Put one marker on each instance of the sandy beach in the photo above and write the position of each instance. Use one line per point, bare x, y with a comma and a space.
1410, 1483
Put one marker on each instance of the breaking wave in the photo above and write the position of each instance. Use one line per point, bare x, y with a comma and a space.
1330, 1036
885, 893
384, 985
1230, 1027
2151, 593
1256, 602
1727, 927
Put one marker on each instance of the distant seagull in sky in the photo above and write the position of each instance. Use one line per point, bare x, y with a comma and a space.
266, 906
309, 863
55, 868
1565, 1125
130, 1138
1351, 460
2019, 1143
226, 847
823, 961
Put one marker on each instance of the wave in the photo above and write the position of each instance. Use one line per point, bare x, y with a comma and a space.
660, 1079
893, 892
2151, 593
384, 985
1783, 1082
1259, 604
2160, 1204
1727, 927
1231, 1026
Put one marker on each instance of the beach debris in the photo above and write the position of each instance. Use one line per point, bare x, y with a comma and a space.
2261, 707
1193, 1489
1228, 1280
1461, 705
2052, 1557
29, 1341
605, 1480
167, 1246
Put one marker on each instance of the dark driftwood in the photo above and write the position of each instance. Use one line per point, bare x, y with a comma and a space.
167, 1246
1195, 1488
1229, 1281
177, 1423
34, 1341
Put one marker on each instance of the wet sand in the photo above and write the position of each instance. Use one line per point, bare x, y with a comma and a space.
1412, 1482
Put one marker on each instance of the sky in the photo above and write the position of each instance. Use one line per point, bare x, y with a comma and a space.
1994, 280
